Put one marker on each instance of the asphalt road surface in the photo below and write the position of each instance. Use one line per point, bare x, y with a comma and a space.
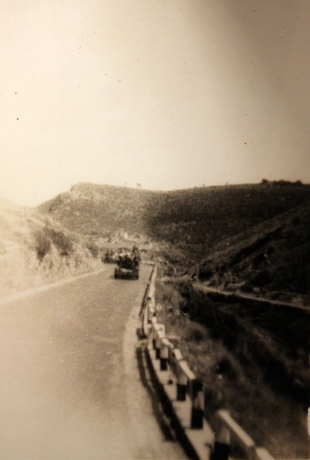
69, 381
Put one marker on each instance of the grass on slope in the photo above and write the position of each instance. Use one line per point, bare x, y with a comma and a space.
198, 219
35, 250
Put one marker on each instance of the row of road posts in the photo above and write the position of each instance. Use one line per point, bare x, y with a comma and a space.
226, 428
170, 358
186, 380
187, 385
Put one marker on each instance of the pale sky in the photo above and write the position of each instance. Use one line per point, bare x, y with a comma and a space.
166, 93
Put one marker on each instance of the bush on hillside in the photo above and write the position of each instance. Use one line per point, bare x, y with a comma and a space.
62, 242
43, 245
48, 236
282, 182
93, 249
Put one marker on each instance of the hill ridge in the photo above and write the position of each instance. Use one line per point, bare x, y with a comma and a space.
163, 215
196, 225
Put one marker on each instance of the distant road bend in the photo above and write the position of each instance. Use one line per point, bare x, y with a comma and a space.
69, 384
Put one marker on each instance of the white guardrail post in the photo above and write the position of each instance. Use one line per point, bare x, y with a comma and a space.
181, 377
160, 334
222, 441
197, 396
164, 354
195, 390
228, 431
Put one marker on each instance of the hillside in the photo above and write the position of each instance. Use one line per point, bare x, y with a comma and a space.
193, 220
35, 250
270, 259
198, 219
101, 210
253, 237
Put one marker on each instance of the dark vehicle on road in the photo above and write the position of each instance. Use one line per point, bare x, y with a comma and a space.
128, 265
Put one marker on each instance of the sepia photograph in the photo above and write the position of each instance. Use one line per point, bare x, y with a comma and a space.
154, 229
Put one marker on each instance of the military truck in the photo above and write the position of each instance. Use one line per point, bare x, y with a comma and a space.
128, 265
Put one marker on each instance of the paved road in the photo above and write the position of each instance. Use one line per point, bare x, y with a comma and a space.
69, 383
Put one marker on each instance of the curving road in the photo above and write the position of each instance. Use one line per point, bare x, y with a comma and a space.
69, 381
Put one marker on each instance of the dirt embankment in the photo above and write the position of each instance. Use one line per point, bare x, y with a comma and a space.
35, 250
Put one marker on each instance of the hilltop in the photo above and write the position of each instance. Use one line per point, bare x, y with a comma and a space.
101, 210
35, 250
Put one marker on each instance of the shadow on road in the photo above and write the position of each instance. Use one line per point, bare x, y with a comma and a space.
162, 420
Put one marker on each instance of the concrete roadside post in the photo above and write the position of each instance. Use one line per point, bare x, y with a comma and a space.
146, 317
155, 326
222, 441
153, 331
159, 339
150, 333
159, 335
181, 377
172, 365
197, 396
226, 427
164, 354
